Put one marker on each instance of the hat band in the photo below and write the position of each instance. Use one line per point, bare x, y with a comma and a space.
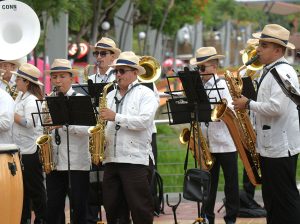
204, 58
267, 36
26, 75
102, 45
124, 61
60, 68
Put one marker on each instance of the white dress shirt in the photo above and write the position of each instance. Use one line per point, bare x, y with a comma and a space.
80, 158
217, 133
278, 114
131, 143
25, 136
7, 106
109, 76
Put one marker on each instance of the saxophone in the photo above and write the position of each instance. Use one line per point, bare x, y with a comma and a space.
44, 142
240, 128
206, 159
12, 90
97, 133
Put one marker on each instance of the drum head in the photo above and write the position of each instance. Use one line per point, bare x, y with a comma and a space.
4, 148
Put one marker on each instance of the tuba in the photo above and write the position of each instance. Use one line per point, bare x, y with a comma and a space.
240, 128
97, 133
12, 90
205, 158
44, 142
19, 28
152, 67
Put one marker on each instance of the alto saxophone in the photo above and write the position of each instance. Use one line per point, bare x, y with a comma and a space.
240, 128
205, 160
44, 142
97, 133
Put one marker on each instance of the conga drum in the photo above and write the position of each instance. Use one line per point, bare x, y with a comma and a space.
11, 185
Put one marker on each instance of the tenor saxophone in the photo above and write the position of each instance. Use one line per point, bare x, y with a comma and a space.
205, 159
97, 133
44, 142
240, 128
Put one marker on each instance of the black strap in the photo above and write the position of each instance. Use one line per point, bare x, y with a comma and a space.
265, 72
119, 101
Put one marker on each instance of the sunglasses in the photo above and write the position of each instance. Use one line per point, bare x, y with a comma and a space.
123, 71
202, 68
101, 53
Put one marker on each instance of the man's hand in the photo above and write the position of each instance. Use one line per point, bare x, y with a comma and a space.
107, 114
240, 103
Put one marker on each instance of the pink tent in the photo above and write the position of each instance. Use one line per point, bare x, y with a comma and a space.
40, 66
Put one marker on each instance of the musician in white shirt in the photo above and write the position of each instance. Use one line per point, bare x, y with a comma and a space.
25, 135
105, 52
277, 127
62, 75
128, 155
7, 106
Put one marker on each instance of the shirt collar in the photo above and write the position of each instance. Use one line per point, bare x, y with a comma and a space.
270, 65
211, 81
70, 92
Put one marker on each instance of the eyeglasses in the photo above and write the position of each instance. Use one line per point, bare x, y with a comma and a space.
202, 68
101, 53
123, 71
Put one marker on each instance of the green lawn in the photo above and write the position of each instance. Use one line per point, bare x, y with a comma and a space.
171, 156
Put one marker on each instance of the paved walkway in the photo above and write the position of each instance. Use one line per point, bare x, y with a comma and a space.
187, 212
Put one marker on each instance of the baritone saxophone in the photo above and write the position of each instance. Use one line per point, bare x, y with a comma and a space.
97, 133
44, 142
205, 160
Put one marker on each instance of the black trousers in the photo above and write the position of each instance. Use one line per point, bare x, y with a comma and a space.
248, 187
132, 183
279, 190
228, 162
57, 190
34, 189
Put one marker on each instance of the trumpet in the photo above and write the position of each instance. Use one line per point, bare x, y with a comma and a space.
87, 70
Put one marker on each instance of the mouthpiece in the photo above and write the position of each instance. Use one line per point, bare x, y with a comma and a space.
252, 60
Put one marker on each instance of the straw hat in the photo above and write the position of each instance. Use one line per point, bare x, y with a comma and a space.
30, 73
275, 33
17, 62
130, 59
204, 54
250, 42
106, 44
61, 65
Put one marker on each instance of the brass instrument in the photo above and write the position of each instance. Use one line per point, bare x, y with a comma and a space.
12, 90
44, 142
251, 62
86, 72
152, 67
242, 125
97, 133
207, 160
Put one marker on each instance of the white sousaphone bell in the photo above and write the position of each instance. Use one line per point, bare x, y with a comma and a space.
19, 29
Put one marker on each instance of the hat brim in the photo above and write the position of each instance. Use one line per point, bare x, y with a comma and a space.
27, 78
116, 51
273, 40
193, 61
75, 72
14, 62
141, 70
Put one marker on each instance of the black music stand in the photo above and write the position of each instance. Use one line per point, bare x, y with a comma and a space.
71, 110
195, 107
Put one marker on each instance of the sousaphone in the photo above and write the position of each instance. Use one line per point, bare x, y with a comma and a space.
19, 30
